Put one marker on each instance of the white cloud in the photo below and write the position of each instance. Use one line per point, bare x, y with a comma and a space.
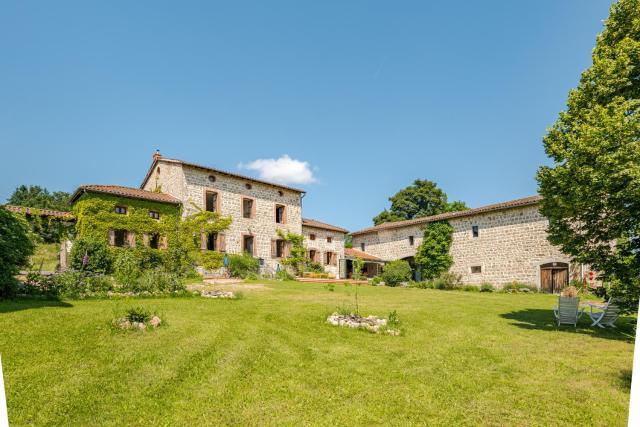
283, 170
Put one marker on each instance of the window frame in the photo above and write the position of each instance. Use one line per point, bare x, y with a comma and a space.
156, 216
253, 244
475, 269
154, 237
125, 238
312, 236
216, 204
362, 247
475, 231
252, 210
412, 241
125, 208
283, 217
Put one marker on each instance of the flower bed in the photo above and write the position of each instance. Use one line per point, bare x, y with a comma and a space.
369, 323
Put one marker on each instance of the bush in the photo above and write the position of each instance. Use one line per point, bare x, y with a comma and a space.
447, 281
470, 288
126, 268
98, 257
396, 272
376, 280
16, 246
486, 287
148, 258
138, 314
241, 265
284, 275
314, 267
423, 285
211, 260
519, 287
155, 282
76, 284
38, 284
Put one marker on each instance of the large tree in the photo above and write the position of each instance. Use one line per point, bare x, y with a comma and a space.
420, 199
592, 190
35, 196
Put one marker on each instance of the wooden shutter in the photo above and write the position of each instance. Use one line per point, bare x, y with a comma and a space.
287, 249
284, 214
222, 243
112, 237
203, 241
274, 249
334, 258
253, 209
163, 242
145, 239
131, 239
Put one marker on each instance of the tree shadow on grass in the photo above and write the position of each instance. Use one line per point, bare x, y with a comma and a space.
19, 304
540, 319
624, 379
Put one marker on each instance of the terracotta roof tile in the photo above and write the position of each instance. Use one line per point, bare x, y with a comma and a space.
354, 253
118, 190
526, 201
38, 211
307, 222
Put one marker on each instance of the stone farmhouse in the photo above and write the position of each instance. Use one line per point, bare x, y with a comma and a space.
498, 243
258, 210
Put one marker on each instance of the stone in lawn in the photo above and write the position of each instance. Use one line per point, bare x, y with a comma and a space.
155, 321
214, 293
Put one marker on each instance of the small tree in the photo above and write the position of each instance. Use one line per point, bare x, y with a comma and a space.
357, 275
433, 254
16, 246
296, 257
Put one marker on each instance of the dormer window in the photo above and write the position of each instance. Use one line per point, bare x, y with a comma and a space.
122, 210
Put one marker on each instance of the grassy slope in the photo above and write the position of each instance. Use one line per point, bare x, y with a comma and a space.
465, 359
46, 255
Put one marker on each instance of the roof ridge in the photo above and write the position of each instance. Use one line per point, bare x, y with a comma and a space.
510, 204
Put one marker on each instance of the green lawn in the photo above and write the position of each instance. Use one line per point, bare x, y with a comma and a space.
270, 358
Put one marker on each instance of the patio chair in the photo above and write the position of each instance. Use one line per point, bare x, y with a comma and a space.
567, 311
606, 317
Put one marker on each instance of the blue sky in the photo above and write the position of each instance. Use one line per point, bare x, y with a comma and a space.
371, 94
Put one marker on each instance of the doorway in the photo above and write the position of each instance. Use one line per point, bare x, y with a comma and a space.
553, 277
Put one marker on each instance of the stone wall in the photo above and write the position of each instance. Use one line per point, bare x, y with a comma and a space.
189, 185
511, 245
321, 245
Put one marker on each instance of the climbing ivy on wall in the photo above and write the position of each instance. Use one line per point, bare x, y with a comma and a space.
95, 216
433, 254
296, 256
191, 230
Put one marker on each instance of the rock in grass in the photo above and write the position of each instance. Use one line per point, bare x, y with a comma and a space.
369, 323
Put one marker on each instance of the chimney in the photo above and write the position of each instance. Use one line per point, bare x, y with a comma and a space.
157, 155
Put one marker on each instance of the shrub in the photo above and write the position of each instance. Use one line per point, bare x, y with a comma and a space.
447, 281
284, 275
486, 287
331, 287
470, 288
242, 265
98, 258
211, 260
138, 314
252, 276
76, 284
314, 267
393, 321
16, 246
518, 287
126, 268
376, 280
396, 272
38, 284
423, 285
157, 281
148, 258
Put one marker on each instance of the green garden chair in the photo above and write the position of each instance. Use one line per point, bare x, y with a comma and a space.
606, 317
567, 311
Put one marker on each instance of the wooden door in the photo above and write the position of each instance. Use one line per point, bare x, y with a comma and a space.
560, 279
546, 280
